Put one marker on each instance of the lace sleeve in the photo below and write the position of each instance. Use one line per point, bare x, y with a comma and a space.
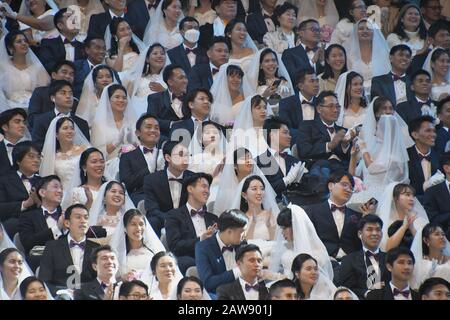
79, 196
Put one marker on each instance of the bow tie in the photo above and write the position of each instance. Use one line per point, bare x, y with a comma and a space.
154, 5
369, 254
177, 180
330, 129
396, 77
225, 248
335, 207
10, 145
266, 16
308, 49
200, 212
306, 102
214, 71
189, 50
80, 245
404, 293
249, 287
180, 97
54, 215
24, 177
283, 155
147, 150
426, 157
67, 41
102, 285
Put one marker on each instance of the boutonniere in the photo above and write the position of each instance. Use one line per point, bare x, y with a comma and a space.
430, 110
325, 33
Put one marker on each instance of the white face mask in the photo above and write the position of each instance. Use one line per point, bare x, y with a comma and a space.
192, 35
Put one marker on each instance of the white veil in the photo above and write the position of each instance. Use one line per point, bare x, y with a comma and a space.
25, 10
340, 92
49, 148
308, 10
427, 65
387, 212
196, 146
134, 37
354, 296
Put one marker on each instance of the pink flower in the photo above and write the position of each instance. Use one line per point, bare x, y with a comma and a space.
325, 33
359, 185
127, 148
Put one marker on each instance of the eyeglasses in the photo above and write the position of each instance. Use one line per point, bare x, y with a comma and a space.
329, 106
137, 296
346, 185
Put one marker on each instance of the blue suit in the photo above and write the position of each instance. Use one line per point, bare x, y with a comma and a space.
442, 138
137, 12
296, 60
200, 77
383, 86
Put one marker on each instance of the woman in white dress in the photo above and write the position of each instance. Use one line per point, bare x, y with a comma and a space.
190, 288
438, 65
432, 253
135, 243
284, 17
350, 93
64, 143
163, 28
367, 52
269, 78
123, 50
32, 288
165, 277
99, 77
323, 11
16, 58
12, 272
228, 92
242, 46
410, 30
356, 11
202, 11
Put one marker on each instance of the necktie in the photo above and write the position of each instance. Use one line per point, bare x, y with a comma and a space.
371, 254
396, 77
335, 207
10, 145
230, 248
330, 129
214, 71
249, 287
80, 245
200, 212
177, 180
426, 157
404, 293
54, 215
147, 150
189, 50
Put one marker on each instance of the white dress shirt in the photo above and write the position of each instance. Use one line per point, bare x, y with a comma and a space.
339, 218
198, 221
150, 158
447, 183
400, 297
269, 22
176, 105
9, 149
426, 165
280, 160
57, 112
191, 56
218, 27
70, 49
77, 254
52, 224
229, 258
374, 262
113, 15
175, 189
308, 111
400, 90
249, 295
213, 67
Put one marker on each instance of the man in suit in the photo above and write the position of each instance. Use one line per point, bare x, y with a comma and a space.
431, 11
248, 286
434, 289
336, 225
395, 85
163, 189
189, 53
133, 290
40, 99
199, 102
66, 261
95, 50
61, 95
321, 141
400, 263
104, 262
443, 133
12, 127
99, 22
202, 75
64, 47
168, 105
365, 266
145, 159
226, 10
260, 22
17, 193
141, 12
283, 290
215, 257
280, 169
423, 159
190, 223
307, 54
301, 106
437, 198
421, 103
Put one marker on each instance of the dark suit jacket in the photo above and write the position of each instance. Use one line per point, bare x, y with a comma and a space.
322, 218
384, 86
98, 24
39, 103
437, 205
206, 35
312, 139
42, 122
5, 164
200, 77
291, 112
52, 51
442, 138
33, 229
158, 200
159, 104
137, 12
233, 291
186, 124
256, 26
179, 57
411, 109
386, 294
415, 168
82, 69
180, 231
417, 62
211, 265
269, 166
296, 60
56, 260
353, 272
89, 291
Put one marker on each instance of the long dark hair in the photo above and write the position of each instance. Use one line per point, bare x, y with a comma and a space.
261, 74
239, 153
97, 69
297, 265
147, 68
83, 160
59, 123
400, 28
426, 233
229, 28
350, 76
114, 41
328, 71
11, 37
438, 53
130, 214
244, 203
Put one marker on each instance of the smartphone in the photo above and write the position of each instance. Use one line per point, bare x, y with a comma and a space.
372, 201
276, 83
358, 128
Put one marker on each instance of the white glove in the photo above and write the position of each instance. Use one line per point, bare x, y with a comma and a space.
435, 179
292, 175
302, 171
9, 12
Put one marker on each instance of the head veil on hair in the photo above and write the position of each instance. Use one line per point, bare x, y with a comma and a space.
308, 10
427, 64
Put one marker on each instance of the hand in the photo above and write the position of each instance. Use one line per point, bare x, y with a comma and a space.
89, 195
301, 172
33, 195
28, 203
355, 149
270, 90
109, 292
121, 137
129, 276
442, 96
129, 136
209, 232
292, 174
123, 42
319, 55
362, 145
368, 208
408, 222
435, 179
8, 10
1, 234
336, 139
156, 86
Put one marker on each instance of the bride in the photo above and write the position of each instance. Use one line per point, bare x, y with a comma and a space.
438, 65
243, 48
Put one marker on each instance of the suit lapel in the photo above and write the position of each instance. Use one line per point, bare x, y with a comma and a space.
17, 183
214, 245
40, 219
66, 256
390, 86
238, 290
330, 218
87, 256
323, 130
166, 186
417, 164
187, 218
184, 57
168, 104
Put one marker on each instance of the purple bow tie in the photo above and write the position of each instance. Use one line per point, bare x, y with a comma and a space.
249, 287
103, 286
54, 215
214, 71
396, 77
308, 49
330, 129
369, 254
177, 180
10, 145
180, 97
306, 102
81, 245
67, 41
230, 248
335, 207
147, 150
426, 157
404, 293
200, 212
189, 50
154, 5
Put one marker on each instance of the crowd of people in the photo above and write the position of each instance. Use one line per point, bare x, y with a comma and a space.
225, 149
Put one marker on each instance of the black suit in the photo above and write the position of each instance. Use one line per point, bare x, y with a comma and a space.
137, 12
437, 205
416, 176
5, 164
322, 218
160, 105
384, 86
200, 77
296, 60
98, 24
52, 51
442, 138
411, 109
417, 62
89, 291
387, 294
233, 291
39, 103
82, 69
179, 57
353, 271
256, 26
57, 264
206, 36
42, 122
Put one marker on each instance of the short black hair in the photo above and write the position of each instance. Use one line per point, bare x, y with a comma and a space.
438, 26
337, 176
339, 290
192, 180
62, 63
301, 75
369, 218
281, 9
96, 251
444, 160
43, 183
89, 39
441, 104
26, 283
57, 85
275, 288
169, 146
142, 118
241, 251
416, 123
393, 254
303, 24
187, 19
127, 286
219, 39
69, 210
7, 115
327, 93
273, 123
58, 17
158, 256
185, 280
235, 70
215, 3
428, 285
20, 150
231, 219
400, 47
284, 218
169, 70
418, 73
190, 97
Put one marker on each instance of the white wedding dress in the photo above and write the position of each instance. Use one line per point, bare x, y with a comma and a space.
65, 168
